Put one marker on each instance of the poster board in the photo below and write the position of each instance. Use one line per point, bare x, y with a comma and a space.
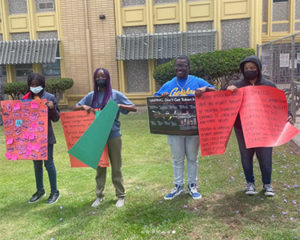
74, 125
25, 125
216, 114
90, 146
264, 114
172, 115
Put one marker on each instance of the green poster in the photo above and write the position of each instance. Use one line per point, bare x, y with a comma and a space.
90, 146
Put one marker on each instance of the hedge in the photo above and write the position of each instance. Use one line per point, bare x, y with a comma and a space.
218, 67
55, 86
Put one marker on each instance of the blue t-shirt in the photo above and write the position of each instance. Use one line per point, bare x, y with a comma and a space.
119, 98
183, 87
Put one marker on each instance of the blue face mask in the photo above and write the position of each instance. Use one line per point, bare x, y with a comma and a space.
36, 90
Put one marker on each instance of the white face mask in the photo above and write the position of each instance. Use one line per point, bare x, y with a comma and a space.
36, 90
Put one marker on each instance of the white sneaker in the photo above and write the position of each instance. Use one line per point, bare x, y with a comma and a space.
268, 189
250, 189
120, 202
97, 202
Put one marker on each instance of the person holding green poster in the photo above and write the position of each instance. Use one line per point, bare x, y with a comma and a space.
97, 99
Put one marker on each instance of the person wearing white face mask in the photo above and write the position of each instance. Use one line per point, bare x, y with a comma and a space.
36, 84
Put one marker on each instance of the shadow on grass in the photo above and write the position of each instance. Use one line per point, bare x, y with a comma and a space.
235, 208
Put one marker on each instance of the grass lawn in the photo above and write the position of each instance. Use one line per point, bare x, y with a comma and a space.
224, 212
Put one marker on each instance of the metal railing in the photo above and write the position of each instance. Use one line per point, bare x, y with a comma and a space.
164, 45
281, 64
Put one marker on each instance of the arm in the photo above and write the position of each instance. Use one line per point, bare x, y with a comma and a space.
163, 91
130, 108
83, 107
53, 110
199, 91
85, 104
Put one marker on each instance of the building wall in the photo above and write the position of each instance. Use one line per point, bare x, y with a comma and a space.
88, 43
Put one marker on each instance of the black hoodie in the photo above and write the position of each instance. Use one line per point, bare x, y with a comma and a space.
244, 82
260, 79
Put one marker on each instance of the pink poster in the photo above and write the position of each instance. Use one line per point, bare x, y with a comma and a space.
264, 114
216, 114
26, 129
263, 111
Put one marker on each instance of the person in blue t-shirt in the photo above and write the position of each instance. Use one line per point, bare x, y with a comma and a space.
97, 99
184, 84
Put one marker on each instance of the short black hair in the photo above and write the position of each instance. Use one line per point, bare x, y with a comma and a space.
36, 76
185, 58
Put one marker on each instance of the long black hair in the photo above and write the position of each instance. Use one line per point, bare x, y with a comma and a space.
108, 90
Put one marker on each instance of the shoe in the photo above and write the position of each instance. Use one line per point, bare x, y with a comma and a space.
178, 190
37, 197
53, 198
268, 189
97, 202
193, 192
120, 202
250, 189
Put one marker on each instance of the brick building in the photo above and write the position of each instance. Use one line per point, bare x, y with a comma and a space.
71, 38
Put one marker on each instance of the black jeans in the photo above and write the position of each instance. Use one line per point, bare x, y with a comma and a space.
38, 170
263, 154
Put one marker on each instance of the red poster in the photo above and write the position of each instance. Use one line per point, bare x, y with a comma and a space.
26, 129
264, 114
216, 114
74, 125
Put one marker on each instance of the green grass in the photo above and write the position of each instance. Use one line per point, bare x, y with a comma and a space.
223, 213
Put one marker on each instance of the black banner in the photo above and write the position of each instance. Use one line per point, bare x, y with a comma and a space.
172, 115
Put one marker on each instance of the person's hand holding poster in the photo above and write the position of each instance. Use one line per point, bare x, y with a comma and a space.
264, 113
26, 129
74, 125
216, 113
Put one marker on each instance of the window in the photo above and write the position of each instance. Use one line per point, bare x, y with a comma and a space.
45, 5
22, 71
51, 69
2, 70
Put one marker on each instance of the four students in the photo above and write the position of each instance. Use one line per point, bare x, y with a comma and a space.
182, 84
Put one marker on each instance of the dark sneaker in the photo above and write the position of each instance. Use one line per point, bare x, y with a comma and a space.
177, 190
250, 189
37, 197
268, 189
53, 198
194, 192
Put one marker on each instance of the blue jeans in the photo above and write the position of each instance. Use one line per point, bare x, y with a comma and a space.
49, 165
263, 154
182, 146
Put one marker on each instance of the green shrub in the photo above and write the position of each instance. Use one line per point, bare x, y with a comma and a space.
15, 89
218, 67
55, 86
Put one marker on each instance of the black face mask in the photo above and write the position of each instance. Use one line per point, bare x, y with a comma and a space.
250, 75
101, 82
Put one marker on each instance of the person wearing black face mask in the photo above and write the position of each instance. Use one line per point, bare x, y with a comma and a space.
101, 83
251, 71
97, 99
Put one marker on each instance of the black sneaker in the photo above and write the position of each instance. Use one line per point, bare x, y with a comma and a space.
53, 198
37, 197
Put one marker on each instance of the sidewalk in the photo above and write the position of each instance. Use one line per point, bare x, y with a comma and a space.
296, 139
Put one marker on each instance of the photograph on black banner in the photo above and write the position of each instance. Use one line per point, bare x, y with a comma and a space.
172, 115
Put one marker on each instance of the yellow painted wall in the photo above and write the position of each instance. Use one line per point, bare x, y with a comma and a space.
88, 42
